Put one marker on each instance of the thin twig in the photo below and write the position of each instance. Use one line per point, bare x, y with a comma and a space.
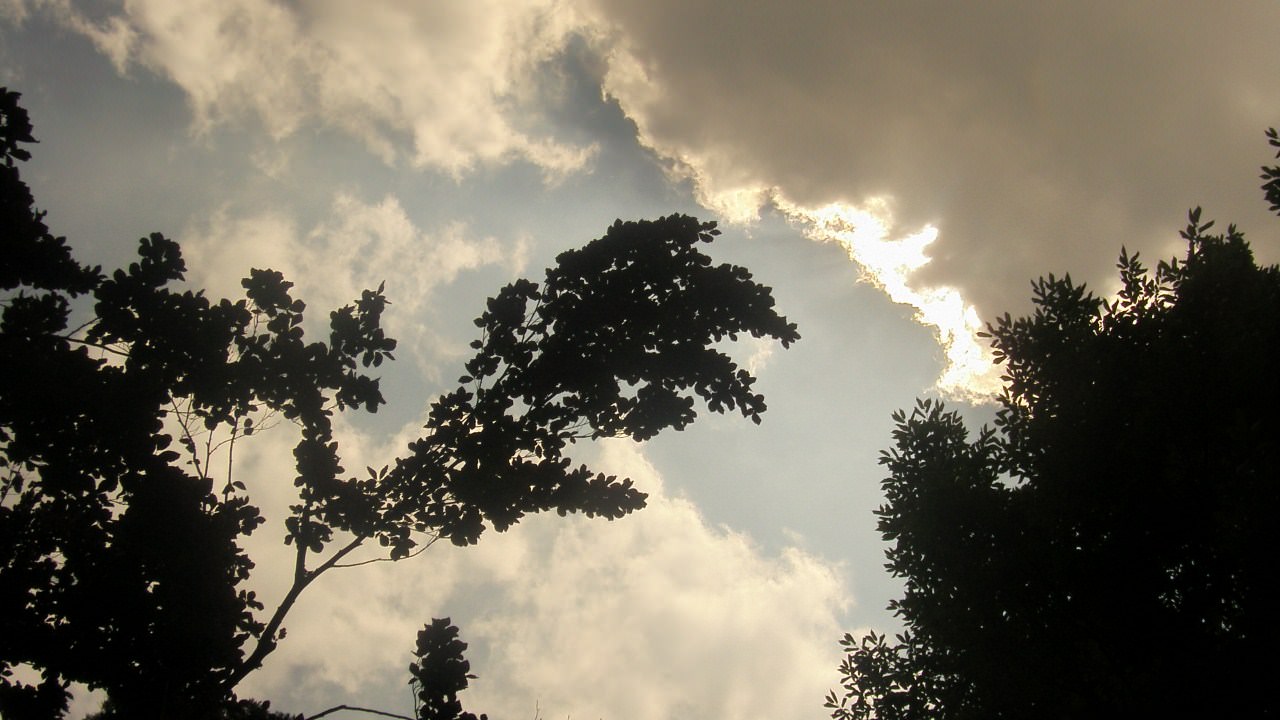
9, 484
184, 416
370, 561
208, 446
75, 330
353, 708
99, 346
231, 449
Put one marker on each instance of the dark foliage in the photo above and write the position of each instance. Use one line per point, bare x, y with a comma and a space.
1108, 548
1271, 174
440, 673
122, 564
231, 710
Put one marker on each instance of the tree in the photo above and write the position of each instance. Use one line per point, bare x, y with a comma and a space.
122, 563
1108, 547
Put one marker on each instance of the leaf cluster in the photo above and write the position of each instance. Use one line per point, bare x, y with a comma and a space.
616, 342
440, 672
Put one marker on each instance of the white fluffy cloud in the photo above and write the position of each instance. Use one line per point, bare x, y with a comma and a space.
358, 245
655, 616
661, 616
449, 81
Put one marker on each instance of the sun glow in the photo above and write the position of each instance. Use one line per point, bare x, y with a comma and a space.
888, 264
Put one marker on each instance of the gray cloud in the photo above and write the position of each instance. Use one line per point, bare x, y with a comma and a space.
1038, 137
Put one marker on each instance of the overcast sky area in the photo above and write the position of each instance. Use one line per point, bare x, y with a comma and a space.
897, 172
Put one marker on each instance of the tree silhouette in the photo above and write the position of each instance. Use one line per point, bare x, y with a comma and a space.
122, 563
1108, 548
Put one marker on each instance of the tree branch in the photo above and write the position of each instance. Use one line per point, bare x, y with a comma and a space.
100, 346
370, 561
333, 561
353, 708
301, 579
184, 417
231, 449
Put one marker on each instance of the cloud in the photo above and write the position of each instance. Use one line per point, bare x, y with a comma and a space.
358, 245
442, 85
762, 351
889, 263
111, 36
1035, 137
660, 615
655, 616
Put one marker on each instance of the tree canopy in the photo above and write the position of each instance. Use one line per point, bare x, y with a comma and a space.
121, 557
1108, 547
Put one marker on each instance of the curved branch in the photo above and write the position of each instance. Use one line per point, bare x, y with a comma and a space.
353, 708
370, 561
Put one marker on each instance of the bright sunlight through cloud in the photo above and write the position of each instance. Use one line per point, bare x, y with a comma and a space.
888, 263
970, 372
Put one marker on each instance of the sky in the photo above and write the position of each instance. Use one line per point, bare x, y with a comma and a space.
897, 172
